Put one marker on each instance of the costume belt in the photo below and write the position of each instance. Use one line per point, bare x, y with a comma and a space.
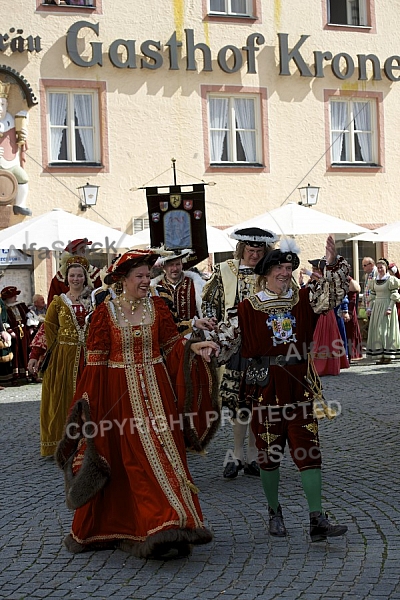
258, 370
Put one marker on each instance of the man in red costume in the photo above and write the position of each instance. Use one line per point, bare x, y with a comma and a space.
276, 326
181, 290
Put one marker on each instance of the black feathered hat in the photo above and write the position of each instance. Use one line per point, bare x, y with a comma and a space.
254, 236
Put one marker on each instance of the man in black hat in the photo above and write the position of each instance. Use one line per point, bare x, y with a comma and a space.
232, 282
277, 326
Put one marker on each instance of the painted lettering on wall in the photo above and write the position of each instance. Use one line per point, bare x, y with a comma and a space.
15, 42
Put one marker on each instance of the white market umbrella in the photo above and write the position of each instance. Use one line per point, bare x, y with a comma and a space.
55, 229
387, 233
294, 219
217, 240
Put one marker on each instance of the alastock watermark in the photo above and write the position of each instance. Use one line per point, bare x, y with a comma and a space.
105, 246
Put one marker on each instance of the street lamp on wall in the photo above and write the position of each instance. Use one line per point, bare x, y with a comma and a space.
309, 195
88, 196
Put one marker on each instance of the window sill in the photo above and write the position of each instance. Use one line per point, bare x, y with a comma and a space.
237, 165
79, 168
220, 18
236, 168
63, 5
349, 26
67, 8
228, 16
76, 165
356, 166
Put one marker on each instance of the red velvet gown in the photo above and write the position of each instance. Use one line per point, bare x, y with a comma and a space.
128, 386
329, 352
353, 328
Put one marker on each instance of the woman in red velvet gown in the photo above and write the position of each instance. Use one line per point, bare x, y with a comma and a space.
352, 326
329, 351
133, 393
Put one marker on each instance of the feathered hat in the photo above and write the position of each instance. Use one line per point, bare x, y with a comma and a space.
286, 253
173, 255
123, 264
254, 236
9, 292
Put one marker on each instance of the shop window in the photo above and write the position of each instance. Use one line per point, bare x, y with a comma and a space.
353, 132
73, 127
234, 130
353, 13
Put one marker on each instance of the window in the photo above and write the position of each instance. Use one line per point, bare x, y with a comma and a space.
74, 127
140, 224
347, 12
234, 130
353, 131
89, 3
241, 8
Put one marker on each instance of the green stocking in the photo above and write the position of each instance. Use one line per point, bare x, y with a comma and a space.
270, 483
312, 486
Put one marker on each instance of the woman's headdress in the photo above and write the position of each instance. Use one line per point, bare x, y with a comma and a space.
123, 264
77, 260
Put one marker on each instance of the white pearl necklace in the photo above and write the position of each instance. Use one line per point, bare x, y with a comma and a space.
134, 305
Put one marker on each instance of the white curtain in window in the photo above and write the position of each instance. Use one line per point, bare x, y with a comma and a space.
58, 113
362, 121
217, 5
218, 121
339, 122
244, 110
239, 7
83, 111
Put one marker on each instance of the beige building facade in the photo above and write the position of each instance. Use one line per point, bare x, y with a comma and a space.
259, 97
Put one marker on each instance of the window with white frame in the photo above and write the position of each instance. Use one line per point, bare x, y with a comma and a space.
140, 224
236, 8
347, 12
74, 127
353, 131
234, 129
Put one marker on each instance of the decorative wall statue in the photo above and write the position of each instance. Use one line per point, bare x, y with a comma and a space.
13, 136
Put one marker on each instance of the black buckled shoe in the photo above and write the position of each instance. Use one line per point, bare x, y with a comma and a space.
276, 525
252, 469
320, 528
232, 469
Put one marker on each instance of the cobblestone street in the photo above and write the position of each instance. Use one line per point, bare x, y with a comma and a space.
360, 486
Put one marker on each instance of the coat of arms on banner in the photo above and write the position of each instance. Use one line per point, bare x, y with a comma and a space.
175, 200
177, 219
